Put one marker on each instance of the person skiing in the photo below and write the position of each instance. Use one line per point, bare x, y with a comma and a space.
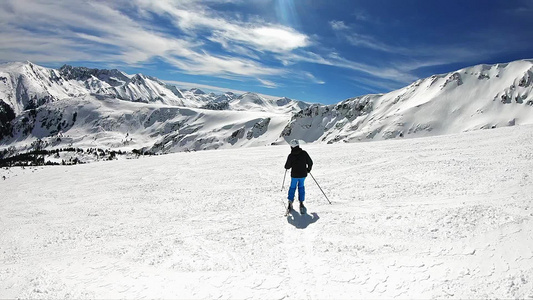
300, 164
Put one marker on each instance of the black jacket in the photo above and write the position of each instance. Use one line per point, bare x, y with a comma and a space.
300, 162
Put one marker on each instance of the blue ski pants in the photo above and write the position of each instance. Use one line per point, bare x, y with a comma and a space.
297, 183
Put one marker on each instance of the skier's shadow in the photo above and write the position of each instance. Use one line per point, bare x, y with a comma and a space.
301, 221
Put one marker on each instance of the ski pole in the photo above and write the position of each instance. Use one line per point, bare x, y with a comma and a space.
284, 179
319, 187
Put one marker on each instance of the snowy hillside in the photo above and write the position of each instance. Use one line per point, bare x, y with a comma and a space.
447, 217
480, 97
86, 122
81, 107
85, 108
26, 85
254, 102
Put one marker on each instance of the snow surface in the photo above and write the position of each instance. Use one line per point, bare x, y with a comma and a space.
436, 217
110, 109
473, 98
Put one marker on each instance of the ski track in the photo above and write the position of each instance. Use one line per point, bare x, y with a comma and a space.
440, 217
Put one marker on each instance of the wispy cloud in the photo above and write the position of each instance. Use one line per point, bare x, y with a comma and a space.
75, 26
100, 31
194, 38
336, 60
371, 85
361, 40
338, 25
310, 77
212, 88
267, 83
194, 19
205, 87
402, 60
522, 8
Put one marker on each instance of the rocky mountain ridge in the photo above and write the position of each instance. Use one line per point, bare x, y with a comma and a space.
479, 97
108, 109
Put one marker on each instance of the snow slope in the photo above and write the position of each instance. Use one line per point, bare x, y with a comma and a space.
82, 107
437, 217
87, 122
26, 85
479, 97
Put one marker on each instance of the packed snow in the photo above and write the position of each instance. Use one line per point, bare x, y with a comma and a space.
435, 217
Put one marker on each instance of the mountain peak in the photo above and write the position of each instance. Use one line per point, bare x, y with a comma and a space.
479, 97
84, 73
197, 91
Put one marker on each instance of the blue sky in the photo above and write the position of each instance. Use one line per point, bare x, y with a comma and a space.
311, 50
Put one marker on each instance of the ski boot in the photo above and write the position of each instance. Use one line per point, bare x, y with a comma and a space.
303, 210
289, 208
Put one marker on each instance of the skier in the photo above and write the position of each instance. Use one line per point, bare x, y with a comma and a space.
300, 162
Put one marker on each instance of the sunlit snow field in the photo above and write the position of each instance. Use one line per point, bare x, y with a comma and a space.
438, 217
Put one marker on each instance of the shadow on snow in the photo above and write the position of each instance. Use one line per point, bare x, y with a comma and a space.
301, 221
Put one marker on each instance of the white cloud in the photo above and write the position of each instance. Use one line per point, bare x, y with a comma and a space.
45, 31
205, 87
371, 85
216, 89
267, 83
399, 61
310, 77
210, 64
100, 31
194, 19
336, 60
364, 41
199, 40
362, 16
338, 25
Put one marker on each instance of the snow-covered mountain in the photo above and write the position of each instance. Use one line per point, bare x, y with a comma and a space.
479, 97
91, 108
26, 85
82, 107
